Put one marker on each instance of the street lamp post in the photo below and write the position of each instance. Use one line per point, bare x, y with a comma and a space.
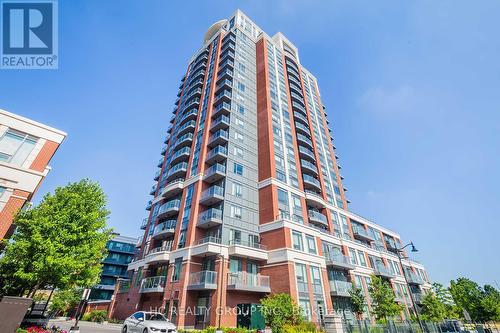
399, 252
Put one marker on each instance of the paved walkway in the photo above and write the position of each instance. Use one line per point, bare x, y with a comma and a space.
87, 327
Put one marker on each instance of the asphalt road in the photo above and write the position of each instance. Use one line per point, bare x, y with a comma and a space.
87, 327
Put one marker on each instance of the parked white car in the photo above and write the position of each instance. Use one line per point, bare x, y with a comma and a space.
148, 322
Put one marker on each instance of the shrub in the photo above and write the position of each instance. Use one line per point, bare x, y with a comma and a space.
280, 310
96, 316
305, 327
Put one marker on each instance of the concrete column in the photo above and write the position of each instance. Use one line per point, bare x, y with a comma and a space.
333, 324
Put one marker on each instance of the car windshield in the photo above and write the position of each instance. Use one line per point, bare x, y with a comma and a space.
155, 317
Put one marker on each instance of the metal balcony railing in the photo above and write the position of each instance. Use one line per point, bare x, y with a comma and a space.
247, 280
254, 245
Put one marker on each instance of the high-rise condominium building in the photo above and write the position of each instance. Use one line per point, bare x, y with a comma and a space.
26, 148
248, 197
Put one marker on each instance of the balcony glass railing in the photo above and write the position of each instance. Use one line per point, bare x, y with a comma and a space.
220, 134
218, 150
153, 283
164, 248
223, 106
254, 245
209, 239
300, 117
308, 165
317, 216
306, 152
248, 280
215, 168
167, 225
210, 214
305, 139
340, 286
338, 258
213, 191
311, 180
203, 277
302, 127
380, 269
183, 151
220, 119
170, 205
178, 168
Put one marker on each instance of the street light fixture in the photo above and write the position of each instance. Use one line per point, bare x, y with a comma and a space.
400, 252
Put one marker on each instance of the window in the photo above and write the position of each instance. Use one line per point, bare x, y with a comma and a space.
362, 258
241, 109
238, 136
238, 169
311, 244
241, 87
138, 315
235, 265
239, 122
237, 190
300, 273
177, 269
236, 212
241, 67
238, 151
15, 147
283, 200
297, 241
306, 307
353, 256
2, 191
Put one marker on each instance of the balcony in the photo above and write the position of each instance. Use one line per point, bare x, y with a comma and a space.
149, 205
212, 195
160, 162
244, 249
139, 241
391, 245
207, 246
308, 167
381, 270
198, 74
153, 189
184, 140
144, 223
226, 73
186, 128
227, 64
166, 228
418, 297
173, 188
219, 138
224, 96
223, 108
294, 87
297, 98
169, 208
301, 117
210, 218
311, 182
196, 83
306, 153
399, 297
360, 233
303, 129
155, 284
244, 281
204, 280
228, 47
413, 278
158, 254
217, 154
220, 122
340, 288
224, 84
338, 260
177, 170
315, 200
157, 174
181, 154
304, 140
194, 102
189, 115
317, 218
215, 173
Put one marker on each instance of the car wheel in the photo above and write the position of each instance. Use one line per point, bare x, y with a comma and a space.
124, 329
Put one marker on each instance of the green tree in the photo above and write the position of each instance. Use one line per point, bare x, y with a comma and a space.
279, 310
61, 242
490, 304
467, 296
433, 309
357, 300
443, 294
383, 299
65, 300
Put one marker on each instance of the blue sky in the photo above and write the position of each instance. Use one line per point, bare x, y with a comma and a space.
412, 90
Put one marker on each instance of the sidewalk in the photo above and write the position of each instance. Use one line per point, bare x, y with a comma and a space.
86, 327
